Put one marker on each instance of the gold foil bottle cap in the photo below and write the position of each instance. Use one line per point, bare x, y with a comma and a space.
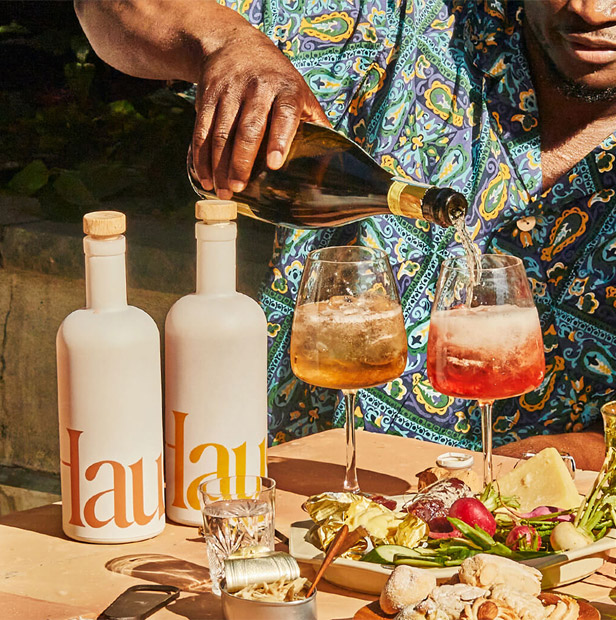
213, 211
104, 223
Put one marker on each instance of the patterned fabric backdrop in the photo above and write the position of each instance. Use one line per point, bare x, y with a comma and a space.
440, 91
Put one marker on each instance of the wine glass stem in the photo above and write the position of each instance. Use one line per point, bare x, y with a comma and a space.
350, 478
486, 439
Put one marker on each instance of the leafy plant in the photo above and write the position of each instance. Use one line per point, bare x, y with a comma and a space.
65, 141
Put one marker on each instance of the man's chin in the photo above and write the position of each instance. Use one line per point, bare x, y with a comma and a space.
580, 89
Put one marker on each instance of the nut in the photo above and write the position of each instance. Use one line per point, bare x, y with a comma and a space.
487, 611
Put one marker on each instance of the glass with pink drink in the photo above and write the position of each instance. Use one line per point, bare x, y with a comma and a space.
485, 340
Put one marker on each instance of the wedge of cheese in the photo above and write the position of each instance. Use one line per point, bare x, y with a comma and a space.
543, 480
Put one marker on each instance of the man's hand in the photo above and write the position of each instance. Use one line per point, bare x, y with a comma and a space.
247, 89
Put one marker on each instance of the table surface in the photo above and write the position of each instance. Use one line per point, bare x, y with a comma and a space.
45, 575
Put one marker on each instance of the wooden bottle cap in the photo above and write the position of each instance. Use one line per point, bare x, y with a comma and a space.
104, 223
211, 211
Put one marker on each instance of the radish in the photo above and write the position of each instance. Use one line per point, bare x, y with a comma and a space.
566, 536
542, 511
523, 537
473, 512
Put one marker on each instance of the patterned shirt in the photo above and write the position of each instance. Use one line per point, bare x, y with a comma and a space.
440, 91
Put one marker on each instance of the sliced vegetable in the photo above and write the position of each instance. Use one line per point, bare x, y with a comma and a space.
440, 527
385, 554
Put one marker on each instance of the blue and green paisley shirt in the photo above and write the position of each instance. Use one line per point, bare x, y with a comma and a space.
440, 91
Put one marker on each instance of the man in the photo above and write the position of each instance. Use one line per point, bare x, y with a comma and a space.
513, 103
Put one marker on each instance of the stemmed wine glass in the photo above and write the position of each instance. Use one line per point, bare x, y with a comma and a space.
348, 331
485, 340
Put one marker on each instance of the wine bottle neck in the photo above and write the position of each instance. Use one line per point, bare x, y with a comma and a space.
105, 273
439, 205
216, 260
406, 199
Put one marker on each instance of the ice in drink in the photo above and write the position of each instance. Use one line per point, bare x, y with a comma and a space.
349, 342
485, 353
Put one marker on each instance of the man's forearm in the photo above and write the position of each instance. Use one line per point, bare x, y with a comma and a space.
158, 39
587, 448
246, 87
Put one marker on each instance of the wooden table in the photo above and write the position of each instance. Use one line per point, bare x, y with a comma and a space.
44, 575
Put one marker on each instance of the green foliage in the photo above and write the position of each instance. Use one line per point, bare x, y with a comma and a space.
29, 180
74, 149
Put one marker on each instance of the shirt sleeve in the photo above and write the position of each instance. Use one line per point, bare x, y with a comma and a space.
335, 44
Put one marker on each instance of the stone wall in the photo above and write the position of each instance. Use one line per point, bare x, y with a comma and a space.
41, 281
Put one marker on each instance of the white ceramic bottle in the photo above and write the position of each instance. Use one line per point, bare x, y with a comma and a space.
215, 372
109, 401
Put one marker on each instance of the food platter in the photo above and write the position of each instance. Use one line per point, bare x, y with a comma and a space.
373, 610
558, 569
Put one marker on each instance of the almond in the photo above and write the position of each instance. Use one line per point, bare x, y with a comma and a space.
487, 611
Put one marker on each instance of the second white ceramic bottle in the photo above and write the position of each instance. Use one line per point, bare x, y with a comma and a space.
215, 372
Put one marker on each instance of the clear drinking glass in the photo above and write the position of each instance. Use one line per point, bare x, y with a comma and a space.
238, 520
348, 331
485, 341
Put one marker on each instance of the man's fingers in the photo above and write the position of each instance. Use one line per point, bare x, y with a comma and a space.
206, 109
317, 115
283, 126
220, 140
248, 136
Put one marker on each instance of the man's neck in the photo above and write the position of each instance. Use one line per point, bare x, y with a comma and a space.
570, 127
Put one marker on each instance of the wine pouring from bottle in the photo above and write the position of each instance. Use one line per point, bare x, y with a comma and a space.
329, 180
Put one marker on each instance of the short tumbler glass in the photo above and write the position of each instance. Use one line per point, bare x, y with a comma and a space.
238, 519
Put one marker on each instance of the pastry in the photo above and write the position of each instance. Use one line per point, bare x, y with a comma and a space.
487, 571
483, 609
450, 600
560, 607
526, 606
405, 587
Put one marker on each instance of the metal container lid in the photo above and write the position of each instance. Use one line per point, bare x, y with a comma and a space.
455, 460
242, 572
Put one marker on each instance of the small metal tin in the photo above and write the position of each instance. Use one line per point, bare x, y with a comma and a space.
241, 572
235, 608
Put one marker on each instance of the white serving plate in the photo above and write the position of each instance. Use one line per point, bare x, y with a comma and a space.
558, 569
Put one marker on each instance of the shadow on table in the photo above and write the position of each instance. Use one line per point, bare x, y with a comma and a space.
163, 569
202, 606
307, 477
45, 520
608, 612
191, 578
